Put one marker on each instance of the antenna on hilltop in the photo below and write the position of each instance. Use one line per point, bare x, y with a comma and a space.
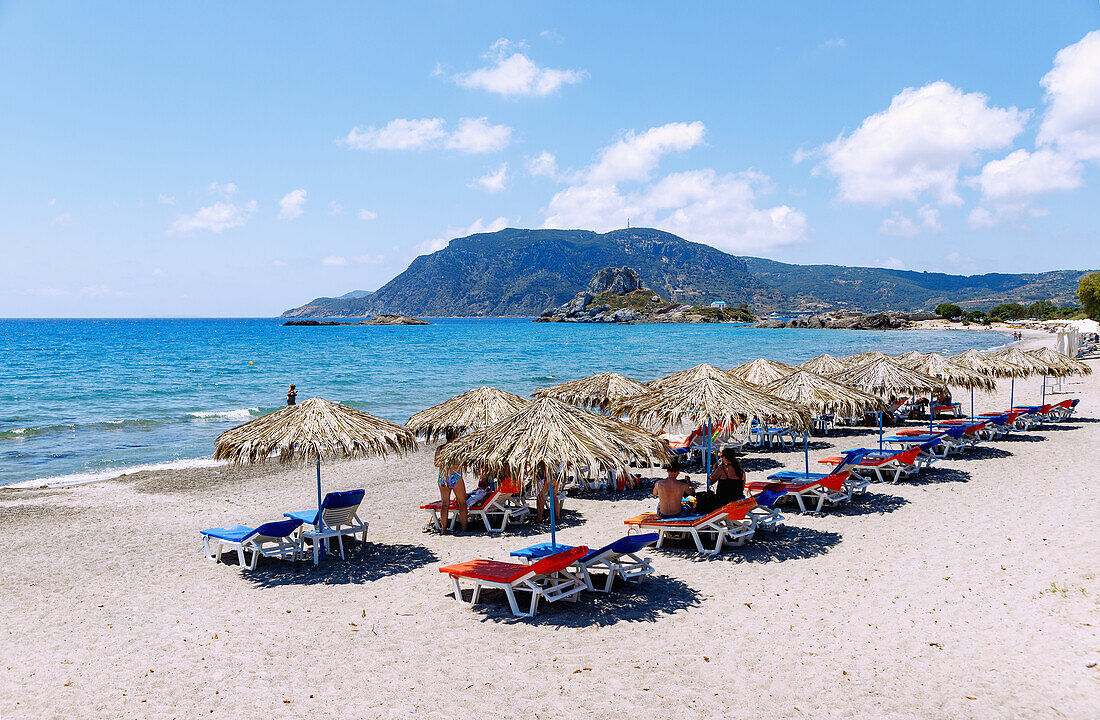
628, 223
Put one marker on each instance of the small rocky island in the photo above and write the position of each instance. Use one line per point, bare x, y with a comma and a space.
616, 295
376, 320
846, 320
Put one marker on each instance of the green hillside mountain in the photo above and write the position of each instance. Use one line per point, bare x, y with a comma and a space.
520, 272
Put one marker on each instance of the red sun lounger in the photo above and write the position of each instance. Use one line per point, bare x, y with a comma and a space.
549, 579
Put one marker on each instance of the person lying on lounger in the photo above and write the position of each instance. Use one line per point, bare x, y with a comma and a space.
671, 492
478, 495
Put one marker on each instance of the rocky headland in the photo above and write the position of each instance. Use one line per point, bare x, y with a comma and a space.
844, 320
376, 320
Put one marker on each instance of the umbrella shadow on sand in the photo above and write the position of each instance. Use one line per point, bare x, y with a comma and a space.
938, 474
786, 543
365, 562
760, 464
656, 597
982, 452
870, 504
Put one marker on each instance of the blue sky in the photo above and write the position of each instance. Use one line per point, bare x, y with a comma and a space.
207, 159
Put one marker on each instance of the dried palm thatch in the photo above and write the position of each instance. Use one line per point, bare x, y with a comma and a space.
312, 431
860, 358
823, 396
953, 374
984, 363
885, 378
596, 392
1058, 364
762, 371
554, 434
1017, 357
910, 359
824, 364
685, 376
471, 410
713, 398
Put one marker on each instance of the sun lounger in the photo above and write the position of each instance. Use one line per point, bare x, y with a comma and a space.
1063, 410
496, 510
340, 513
883, 465
619, 559
833, 488
548, 579
729, 524
273, 539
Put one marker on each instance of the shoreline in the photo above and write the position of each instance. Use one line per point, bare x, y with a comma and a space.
1032, 338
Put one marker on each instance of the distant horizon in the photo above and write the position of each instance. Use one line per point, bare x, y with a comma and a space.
310, 150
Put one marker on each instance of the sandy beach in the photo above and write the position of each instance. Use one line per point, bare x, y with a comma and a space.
969, 592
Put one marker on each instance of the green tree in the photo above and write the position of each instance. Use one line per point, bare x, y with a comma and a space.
1008, 311
948, 310
1088, 292
976, 316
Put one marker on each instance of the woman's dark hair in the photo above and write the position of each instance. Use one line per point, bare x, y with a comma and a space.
673, 465
730, 454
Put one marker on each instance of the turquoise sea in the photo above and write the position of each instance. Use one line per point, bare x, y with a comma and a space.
84, 399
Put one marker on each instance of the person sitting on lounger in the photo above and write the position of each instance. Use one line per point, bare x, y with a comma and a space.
480, 494
671, 492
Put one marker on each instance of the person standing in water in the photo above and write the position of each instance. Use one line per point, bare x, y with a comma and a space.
291, 395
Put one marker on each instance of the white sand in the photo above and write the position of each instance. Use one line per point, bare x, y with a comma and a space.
969, 594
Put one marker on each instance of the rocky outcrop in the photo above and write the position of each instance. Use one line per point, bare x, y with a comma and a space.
850, 321
376, 320
617, 295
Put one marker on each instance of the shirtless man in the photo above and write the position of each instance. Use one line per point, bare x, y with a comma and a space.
671, 492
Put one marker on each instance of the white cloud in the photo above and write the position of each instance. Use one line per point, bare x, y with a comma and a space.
367, 214
699, 205
334, 260
892, 263
634, 156
832, 43
478, 135
226, 190
1072, 117
334, 208
63, 220
543, 165
916, 147
1015, 180
166, 199
512, 74
899, 225
477, 226
473, 136
292, 205
52, 201
493, 181
214, 218
980, 219
398, 134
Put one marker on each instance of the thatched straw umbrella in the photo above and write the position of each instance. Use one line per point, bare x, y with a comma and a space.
1057, 365
987, 364
1030, 367
713, 397
762, 371
822, 396
824, 364
684, 376
471, 410
311, 431
910, 359
884, 377
548, 433
954, 375
860, 358
597, 392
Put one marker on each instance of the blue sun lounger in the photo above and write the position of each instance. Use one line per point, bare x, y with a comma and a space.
273, 539
340, 513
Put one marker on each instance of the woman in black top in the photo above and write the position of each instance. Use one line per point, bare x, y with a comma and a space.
291, 395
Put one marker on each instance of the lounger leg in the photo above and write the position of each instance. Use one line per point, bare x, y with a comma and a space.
240, 555
511, 594
340, 538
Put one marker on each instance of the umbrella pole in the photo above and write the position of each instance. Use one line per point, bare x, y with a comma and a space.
1012, 394
1044, 400
971, 402
806, 447
553, 504
708, 454
320, 517
931, 409
879, 413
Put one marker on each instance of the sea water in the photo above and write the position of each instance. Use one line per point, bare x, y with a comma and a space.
88, 399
